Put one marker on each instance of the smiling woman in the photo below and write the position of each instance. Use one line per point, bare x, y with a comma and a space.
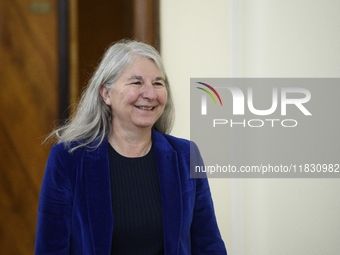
116, 182
137, 100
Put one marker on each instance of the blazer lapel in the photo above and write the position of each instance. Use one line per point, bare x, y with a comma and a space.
170, 186
98, 193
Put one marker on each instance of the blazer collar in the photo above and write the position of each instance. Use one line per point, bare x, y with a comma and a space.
98, 198
98, 193
171, 191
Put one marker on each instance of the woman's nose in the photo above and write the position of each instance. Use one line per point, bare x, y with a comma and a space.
148, 92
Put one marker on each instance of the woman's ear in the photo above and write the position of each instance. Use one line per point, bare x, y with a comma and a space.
105, 93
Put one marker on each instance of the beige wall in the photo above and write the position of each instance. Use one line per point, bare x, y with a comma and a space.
258, 38
194, 43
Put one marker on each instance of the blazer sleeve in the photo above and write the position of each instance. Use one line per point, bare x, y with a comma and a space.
205, 235
55, 206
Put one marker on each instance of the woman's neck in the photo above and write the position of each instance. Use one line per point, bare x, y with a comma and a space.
129, 143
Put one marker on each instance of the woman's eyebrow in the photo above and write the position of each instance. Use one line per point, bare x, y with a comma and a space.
135, 77
159, 78
138, 77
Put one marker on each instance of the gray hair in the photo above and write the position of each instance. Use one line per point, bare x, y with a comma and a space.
92, 119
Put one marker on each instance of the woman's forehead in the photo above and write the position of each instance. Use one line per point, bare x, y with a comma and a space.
142, 68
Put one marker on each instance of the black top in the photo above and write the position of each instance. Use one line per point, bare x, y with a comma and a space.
136, 205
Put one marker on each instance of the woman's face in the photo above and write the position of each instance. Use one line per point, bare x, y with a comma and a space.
138, 97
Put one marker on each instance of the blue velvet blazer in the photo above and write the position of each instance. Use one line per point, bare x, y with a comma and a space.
75, 211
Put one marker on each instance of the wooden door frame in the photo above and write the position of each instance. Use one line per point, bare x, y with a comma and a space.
63, 56
145, 27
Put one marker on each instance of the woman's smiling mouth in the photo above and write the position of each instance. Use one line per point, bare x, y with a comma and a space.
145, 107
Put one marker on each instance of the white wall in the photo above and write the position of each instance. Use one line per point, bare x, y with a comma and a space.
258, 38
290, 39
194, 43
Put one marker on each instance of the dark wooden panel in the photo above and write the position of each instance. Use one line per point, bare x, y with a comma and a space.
28, 103
146, 22
99, 24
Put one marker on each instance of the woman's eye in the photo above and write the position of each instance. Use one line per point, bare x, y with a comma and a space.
137, 83
158, 84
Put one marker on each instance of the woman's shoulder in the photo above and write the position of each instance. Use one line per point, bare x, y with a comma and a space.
178, 144
63, 151
175, 142
62, 163
67, 147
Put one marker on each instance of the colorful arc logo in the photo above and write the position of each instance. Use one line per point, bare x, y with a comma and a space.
213, 90
204, 98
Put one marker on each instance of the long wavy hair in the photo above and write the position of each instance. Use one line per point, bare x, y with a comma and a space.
92, 119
